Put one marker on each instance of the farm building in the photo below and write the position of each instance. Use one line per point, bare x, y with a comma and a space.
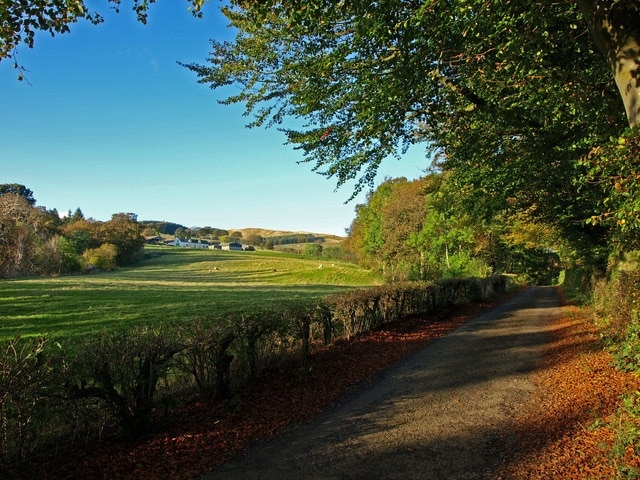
189, 243
232, 246
153, 240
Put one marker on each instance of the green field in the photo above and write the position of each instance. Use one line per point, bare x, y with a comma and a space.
173, 285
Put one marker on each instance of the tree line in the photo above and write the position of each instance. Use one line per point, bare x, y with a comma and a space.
37, 241
422, 230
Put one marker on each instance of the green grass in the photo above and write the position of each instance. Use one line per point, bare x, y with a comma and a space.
174, 285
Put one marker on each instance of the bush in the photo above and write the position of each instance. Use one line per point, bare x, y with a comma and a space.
617, 306
206, 356
259, 335
103, 258
312, 249
122, 369
626, 445
23, 384
307, 320
355, 311
69, 258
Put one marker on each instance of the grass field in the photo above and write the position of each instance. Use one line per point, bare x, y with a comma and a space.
173, 285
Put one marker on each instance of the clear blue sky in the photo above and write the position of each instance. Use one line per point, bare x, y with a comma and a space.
108, 121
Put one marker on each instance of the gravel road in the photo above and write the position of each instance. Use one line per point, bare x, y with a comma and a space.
443, 413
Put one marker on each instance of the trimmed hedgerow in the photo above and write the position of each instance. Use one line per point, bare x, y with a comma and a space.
23, 382
358, 311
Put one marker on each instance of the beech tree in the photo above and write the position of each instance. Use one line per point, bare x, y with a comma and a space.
371, 78
27, 236
123, 231
615, 29
510, 95
397, 27
18, 189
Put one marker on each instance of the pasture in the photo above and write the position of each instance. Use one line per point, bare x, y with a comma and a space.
172, 285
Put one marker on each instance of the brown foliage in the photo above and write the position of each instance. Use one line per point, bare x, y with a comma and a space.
565, 432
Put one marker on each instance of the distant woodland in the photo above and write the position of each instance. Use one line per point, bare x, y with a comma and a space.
38, 241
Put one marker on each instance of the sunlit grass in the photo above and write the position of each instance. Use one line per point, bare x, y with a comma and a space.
172, 286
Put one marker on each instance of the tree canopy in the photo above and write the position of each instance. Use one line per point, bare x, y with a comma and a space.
422, 230
17, 189
34, 240
513, 96
371, 78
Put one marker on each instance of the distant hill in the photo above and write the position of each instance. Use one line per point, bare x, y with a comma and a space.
169, 228
266, 233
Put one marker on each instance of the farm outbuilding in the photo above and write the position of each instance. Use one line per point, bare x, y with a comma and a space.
189, 243
232, 246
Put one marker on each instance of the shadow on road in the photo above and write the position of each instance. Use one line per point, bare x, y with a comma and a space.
444, 412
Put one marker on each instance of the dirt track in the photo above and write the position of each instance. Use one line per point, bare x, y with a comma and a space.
443, 413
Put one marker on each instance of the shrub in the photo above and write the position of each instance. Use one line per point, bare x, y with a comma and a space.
23, 383
324, 317
419, 298
626, 445
69, 258
103, 258
617, 306
206, 356
122, 369
312, 249
493, 287
393, 301
306, 320
258, 333
354, 312
357, 311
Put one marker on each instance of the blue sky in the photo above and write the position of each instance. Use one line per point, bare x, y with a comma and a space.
108, 121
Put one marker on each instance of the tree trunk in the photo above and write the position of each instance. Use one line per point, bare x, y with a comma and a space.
446, 255
628, 83
615, 28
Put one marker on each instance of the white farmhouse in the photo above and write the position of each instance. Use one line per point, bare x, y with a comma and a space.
190, 243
